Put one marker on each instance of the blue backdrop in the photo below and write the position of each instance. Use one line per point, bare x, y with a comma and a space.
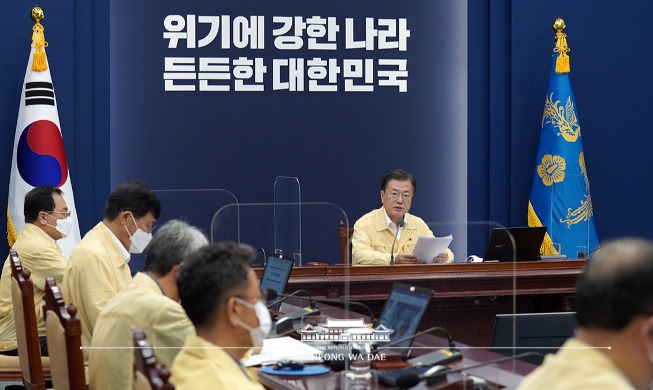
338, 144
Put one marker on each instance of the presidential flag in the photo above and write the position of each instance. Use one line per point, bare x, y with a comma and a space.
39, 156
560, 197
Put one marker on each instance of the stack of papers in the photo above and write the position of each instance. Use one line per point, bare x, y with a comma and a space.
426, 248
281, 348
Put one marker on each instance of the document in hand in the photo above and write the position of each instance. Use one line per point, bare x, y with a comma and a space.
427, 248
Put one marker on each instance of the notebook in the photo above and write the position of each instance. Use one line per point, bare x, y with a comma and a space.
403, 311
528, 241
275, 276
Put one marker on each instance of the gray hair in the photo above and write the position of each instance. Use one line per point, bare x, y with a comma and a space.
171, 244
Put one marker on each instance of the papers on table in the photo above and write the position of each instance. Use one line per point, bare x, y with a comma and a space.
427, 248
284, 348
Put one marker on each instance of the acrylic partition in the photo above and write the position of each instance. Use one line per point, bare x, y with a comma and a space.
288, 217
571, 227
533, 322
193, 206
306, 231
313, 227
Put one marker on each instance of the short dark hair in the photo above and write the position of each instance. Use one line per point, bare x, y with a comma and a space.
39, 199
171, 244
207, 278
616, 286
132, 196
399, 175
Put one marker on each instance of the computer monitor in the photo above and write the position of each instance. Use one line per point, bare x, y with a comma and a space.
527, 244
275, 276
538, 332
403, 311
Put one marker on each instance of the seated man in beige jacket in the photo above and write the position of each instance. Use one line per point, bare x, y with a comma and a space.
98, 267
150, 302
375, 231
47, 219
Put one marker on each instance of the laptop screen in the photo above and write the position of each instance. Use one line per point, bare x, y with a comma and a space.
403, 312
537, 332
527, 241
277, 272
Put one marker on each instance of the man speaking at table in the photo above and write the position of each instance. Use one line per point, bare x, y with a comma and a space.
375, 232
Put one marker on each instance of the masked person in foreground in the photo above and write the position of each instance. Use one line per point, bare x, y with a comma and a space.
221, 296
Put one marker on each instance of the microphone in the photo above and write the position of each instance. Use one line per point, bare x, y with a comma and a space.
400, 223
583, 255
359, 304
432, 375
452, 346
441, 356
276, 298
284, 323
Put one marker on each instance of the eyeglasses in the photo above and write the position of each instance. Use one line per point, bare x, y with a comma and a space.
395, 195
66, 213
151, 226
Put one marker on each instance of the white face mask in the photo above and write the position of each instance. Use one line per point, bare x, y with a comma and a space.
63, 226
139, 240
257, 335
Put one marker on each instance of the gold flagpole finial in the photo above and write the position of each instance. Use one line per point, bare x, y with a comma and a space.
39, 63
38, 14
562, 62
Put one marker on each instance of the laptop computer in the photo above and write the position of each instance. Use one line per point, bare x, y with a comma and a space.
275, 277
536, 332
403, 311
527, 241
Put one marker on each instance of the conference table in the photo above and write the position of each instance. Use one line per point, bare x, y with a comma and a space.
466, 296
497, 375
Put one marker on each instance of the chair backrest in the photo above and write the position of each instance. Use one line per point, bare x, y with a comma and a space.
344, 235
64, 334
148, 372
29, 349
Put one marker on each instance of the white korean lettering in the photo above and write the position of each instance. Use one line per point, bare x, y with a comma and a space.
391, 77
175, 25
318, 28
176, 69
392, 37
292, 69
212, 70
285, 39
319, 71
359, 75
245, 69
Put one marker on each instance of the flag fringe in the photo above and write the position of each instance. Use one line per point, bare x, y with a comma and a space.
562, 62
547, 247
11, 230
39, 62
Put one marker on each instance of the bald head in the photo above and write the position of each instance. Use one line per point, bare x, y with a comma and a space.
617, 285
